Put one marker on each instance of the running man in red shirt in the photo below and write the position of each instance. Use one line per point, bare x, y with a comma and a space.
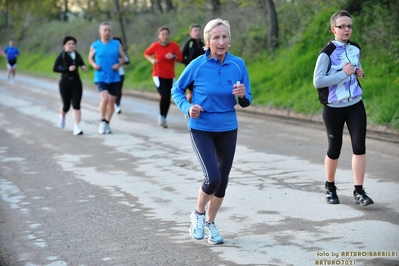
163, 54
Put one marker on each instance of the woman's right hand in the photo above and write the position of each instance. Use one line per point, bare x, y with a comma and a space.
72, 68
349, 69
195, 111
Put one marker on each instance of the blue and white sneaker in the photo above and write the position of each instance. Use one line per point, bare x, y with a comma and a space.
213, 234
61, 122
197, 225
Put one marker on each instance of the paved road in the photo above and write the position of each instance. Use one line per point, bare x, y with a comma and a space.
125, 198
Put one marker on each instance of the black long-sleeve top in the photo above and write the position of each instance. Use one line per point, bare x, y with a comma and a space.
64, 61
191, 50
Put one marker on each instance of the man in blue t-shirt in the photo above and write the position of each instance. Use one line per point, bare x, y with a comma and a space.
106, 57
11, 52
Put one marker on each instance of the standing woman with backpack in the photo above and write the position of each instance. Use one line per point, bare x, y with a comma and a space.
71, 89
336, 77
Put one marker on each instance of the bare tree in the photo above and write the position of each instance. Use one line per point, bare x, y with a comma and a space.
64, 10
169, 5
121, 24
272, 22
156, 4
5, 12
216, 8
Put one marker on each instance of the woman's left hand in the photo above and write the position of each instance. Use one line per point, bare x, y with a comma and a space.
359, 73
239, 90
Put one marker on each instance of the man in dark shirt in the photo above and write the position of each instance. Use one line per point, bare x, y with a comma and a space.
191, 50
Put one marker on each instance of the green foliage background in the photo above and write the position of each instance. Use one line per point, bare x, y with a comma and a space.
282, 78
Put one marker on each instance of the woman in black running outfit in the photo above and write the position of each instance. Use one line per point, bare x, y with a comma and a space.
336, 77
71, 89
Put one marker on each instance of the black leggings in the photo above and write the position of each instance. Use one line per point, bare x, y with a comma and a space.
215, 152
119, 95
164, 90
71, 91
356, 121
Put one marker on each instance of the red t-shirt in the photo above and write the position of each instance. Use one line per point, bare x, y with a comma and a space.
165, 68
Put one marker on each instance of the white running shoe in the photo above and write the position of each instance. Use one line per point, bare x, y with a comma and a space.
118, 109
77, 130
162, 121
107, 129
102, 127
61, 122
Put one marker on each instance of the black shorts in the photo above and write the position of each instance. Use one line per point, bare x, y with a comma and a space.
12, 62
112, 88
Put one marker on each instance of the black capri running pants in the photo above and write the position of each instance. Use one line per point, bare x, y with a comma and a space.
355, 118
164, 88
215, 152
71, 91
119, 94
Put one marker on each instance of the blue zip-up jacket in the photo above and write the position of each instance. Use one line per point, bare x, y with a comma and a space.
106, 55
213, 86
335, 88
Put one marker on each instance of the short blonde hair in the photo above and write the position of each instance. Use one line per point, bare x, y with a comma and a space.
212, 24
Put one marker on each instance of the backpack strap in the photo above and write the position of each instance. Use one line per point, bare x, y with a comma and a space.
323, 92
328, 49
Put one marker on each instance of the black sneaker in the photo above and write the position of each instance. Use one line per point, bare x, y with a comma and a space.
362, 198
331, 195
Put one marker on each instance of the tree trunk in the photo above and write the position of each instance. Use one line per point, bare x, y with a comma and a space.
158, 5
152, 10
6, 15
64, 12
216, 8
272, 21
121, 24
169, 5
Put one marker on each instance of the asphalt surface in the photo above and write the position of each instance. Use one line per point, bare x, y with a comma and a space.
125, 198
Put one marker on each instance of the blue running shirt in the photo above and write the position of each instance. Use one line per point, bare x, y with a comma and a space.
106, 55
